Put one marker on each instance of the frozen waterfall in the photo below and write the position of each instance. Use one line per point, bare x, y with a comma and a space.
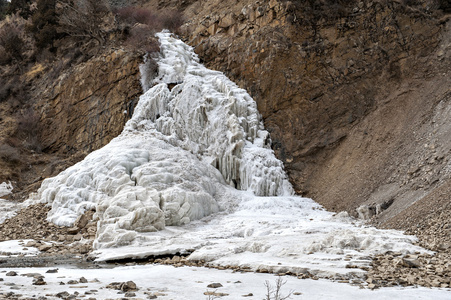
179, 150
192, 169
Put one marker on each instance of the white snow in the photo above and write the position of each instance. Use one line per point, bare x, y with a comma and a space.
192, 171
7, 208
16, 247
186, 283
5, 188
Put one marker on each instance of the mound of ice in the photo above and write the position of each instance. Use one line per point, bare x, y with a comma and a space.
192, 169
177, 151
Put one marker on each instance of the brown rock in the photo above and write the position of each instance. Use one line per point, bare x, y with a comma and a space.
227, 21
45, 247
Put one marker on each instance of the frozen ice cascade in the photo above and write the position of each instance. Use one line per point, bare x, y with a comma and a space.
192, 171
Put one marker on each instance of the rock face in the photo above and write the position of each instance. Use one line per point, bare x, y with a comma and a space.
355, 96
72, 109
85, 108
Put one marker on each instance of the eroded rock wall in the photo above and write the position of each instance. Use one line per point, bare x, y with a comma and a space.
88, 105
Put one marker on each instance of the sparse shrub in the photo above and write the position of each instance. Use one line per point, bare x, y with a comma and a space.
445, 5
84, 20
9, 154
3, 9
11, 42
131, 15
22, 7
28, 130
44, 24
15, 44
4, 89
172, 20
275, 292
142, 38
142, 25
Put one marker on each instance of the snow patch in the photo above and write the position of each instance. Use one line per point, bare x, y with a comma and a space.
5, 188
16, 247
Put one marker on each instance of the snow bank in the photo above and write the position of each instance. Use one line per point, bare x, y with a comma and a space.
193, 169
185, 283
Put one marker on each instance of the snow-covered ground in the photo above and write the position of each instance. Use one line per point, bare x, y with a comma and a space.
187, 283
193, 171
15, 248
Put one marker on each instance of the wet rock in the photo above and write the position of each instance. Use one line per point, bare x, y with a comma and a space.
35, 275
72, 230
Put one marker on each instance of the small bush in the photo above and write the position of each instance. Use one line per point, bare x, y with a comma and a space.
275, 292
167, 19
3, 9
9, 154
11, 42
22, 7
131, 15
4, 89
172, 20
141, 38
445, 5
44, 24
28, 130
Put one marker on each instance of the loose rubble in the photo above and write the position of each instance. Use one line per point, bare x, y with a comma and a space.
31, 223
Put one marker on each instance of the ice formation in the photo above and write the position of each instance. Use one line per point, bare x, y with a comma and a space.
193, 169
179, 150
